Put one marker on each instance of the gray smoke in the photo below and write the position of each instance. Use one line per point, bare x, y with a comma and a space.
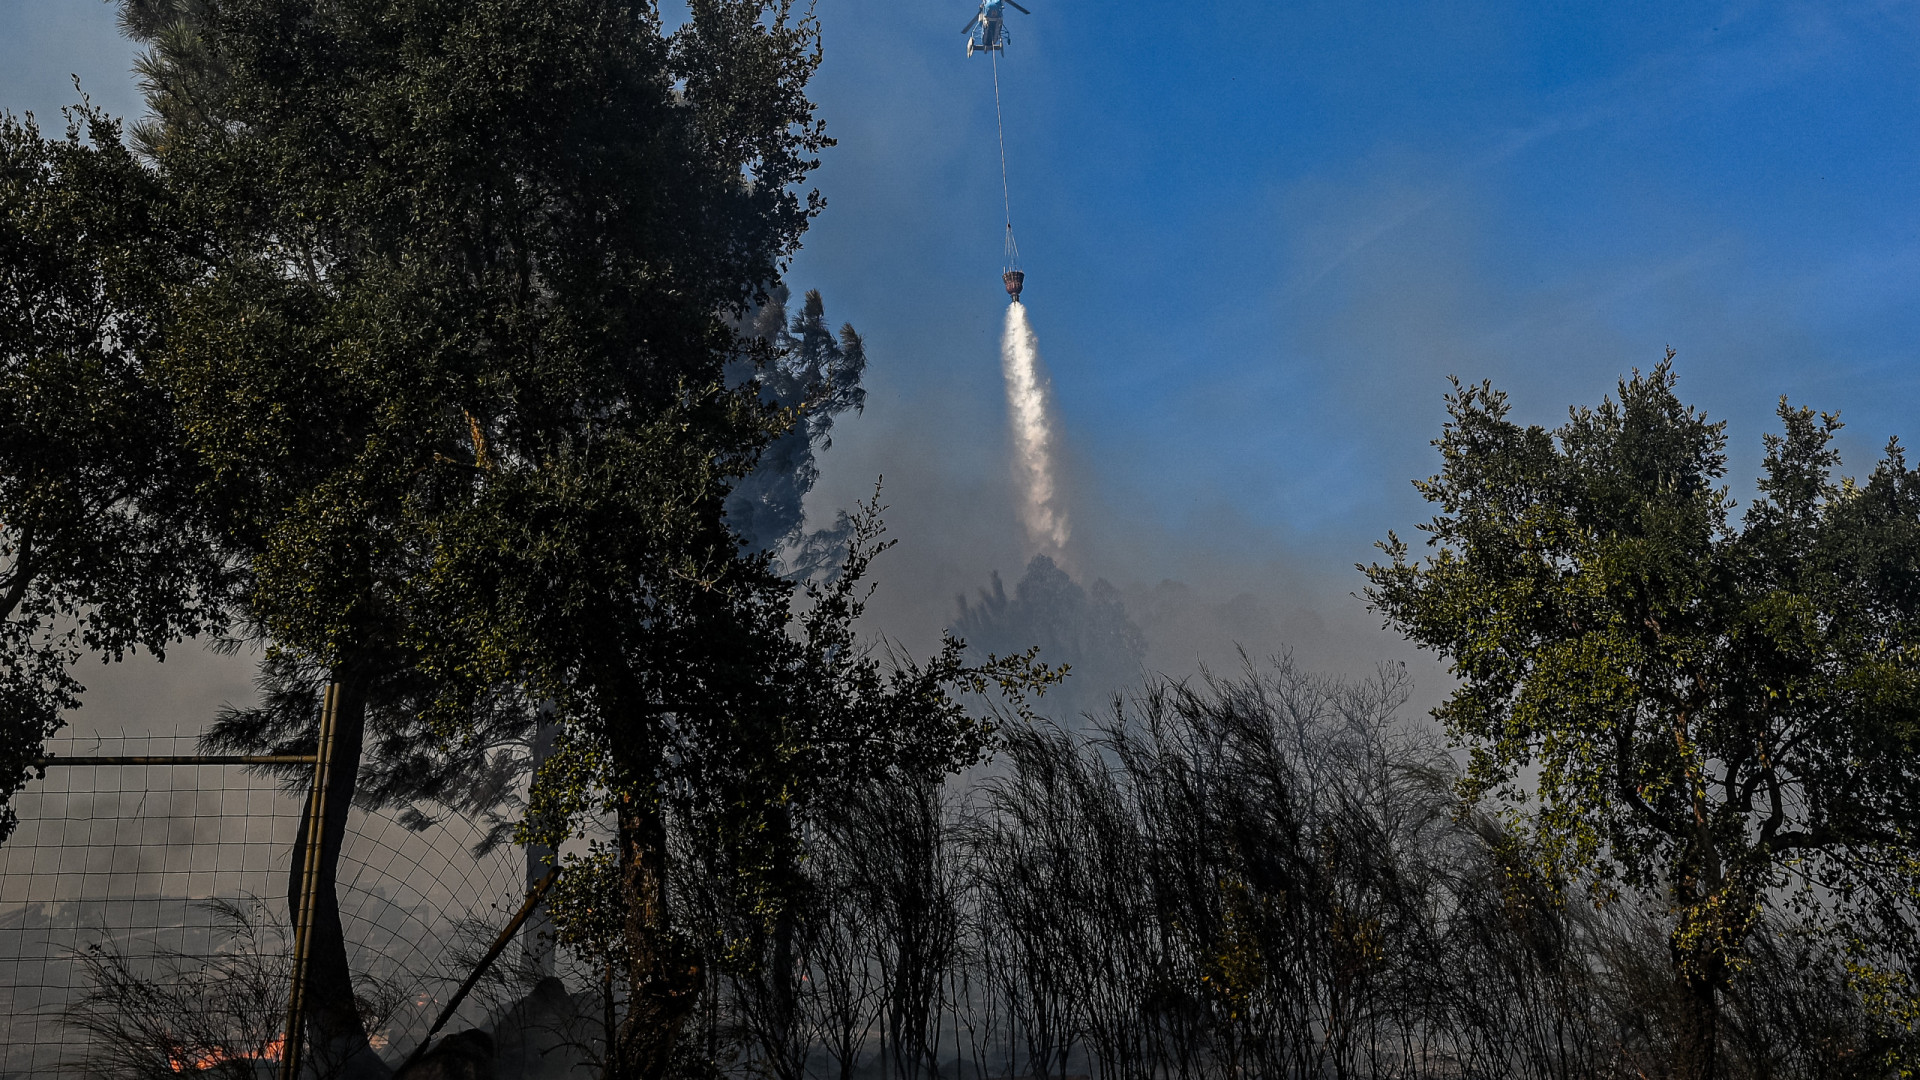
817, 374
1086, 628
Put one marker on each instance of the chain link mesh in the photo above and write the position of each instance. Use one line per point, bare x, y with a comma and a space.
131, 881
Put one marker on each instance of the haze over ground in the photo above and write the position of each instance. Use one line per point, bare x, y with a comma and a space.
1258, 237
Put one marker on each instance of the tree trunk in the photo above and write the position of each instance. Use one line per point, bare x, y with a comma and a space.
1712, 929
662, 978
789, 1061
1699, 1030
335, 1032
786, 1059
537, 939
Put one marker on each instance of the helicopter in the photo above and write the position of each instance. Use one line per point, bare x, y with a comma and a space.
986, 31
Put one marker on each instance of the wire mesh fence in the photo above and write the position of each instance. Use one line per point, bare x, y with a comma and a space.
168, 884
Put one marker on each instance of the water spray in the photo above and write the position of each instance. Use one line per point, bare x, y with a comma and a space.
1029, 394
1030, 406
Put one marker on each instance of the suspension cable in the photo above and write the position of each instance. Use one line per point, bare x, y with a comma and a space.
1006, 200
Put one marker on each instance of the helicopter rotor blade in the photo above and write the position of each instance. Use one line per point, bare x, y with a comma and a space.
971, 23
1018, 8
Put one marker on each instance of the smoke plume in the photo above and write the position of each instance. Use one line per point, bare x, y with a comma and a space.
1030, 405
1086, 628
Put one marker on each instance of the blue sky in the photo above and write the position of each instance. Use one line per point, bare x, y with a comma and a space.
1259, 236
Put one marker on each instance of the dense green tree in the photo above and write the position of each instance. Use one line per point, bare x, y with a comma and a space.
101, 548
456, 356
1720, 713
451, 261
692, 701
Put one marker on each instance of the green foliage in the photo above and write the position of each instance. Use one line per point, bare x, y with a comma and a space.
1722, 713
444, 247
416, 337
457, 303
786, 717
101, 546
458, 356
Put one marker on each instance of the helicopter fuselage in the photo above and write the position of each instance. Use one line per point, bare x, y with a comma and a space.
987, 32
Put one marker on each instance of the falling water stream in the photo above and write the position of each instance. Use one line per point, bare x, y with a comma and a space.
1030, 405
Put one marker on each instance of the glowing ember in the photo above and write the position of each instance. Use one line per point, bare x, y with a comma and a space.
181, 1060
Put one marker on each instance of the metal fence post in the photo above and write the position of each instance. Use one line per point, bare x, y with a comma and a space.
295, 1036
480, 970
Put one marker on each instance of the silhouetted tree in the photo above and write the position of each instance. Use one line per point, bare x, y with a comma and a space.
1085, 628
815, 377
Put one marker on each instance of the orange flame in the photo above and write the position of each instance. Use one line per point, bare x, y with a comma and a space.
181, 1060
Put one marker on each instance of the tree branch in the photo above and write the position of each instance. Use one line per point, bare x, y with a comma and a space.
22, 574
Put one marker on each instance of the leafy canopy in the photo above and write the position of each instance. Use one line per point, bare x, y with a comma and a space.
102, 547
443, 247
1724, 711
